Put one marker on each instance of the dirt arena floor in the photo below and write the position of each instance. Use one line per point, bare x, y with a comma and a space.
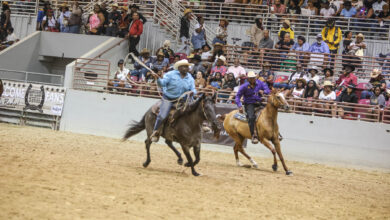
58, 175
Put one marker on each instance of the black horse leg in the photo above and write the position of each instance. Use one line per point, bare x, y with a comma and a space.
178, 154
197, 154
190, 163
148, 142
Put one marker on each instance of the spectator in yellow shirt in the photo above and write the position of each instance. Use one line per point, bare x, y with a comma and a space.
332, 36
286, 29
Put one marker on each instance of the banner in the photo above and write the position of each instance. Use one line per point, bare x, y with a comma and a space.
224, 138
32, 97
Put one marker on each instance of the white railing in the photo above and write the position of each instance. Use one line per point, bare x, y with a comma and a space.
32, 77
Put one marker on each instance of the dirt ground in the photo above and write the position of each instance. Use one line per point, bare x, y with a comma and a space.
46, 174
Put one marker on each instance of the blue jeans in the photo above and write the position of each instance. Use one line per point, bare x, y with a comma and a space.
366, 94
139, 73
283, 85
75, 29
165, 107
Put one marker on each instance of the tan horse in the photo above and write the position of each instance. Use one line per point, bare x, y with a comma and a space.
266, 126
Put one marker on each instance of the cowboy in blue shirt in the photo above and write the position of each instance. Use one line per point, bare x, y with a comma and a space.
251, 91
174, 84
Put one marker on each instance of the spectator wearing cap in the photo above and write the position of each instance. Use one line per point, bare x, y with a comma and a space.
286, 28
42, 12
376, 79
120, 78
124, 22
313, 74
198, 38
332, 35
348, 96
185, 22
348, 11
135, 32
257, 31
96, 21
318, 50
63, 19
327, 11
221, 33
237, 69
198, 66
75, 18
220, 66
139, 70
166, 49
347, 77
161, 63
134, 9
114, 18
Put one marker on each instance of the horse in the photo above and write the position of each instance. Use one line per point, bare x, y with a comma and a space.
186, 129
266, 126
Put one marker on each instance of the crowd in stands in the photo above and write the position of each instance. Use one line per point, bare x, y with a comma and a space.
7, 36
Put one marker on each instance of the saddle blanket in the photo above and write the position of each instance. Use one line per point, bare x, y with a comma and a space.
240, 116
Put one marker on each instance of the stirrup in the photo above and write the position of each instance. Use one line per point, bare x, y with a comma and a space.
154, 137
255, 140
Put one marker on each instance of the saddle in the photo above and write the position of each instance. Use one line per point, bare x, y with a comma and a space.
243, 117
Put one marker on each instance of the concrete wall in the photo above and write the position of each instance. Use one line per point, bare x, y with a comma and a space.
23, 25
307, 138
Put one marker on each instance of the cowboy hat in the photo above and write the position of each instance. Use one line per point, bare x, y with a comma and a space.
134, 6
167, 43
222, 58
375, 73
143, 51
286, 21
187, 11
181, 63
225, 20
328, 83
125, 8
218, 44
266, 64
329, 69
360, 35
251, 74
302, 80
5, 3
258, 17
115, 5
350, 66
388, 91
313, 68
64, 5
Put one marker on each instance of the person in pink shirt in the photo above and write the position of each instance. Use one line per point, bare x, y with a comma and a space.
237, 69
278, 8
219, 66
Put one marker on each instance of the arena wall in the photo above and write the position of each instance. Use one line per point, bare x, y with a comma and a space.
306, 138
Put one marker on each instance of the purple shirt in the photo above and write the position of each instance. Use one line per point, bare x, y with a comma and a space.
251, 95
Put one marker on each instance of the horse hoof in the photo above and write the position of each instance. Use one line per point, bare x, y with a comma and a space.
239, 164
289, 173
146, 164
275, 167
255, 165
187, 165
196, 174
180, 161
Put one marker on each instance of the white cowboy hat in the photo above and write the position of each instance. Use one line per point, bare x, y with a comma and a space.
328, 83
181, 63
222, 58
251, 74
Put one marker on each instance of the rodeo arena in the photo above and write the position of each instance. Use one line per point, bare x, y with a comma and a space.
195, 109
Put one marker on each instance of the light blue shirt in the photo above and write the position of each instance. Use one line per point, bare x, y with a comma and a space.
304, 48
173, 85
316, 48
348, 14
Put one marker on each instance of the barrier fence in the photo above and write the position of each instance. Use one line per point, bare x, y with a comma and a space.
286, 60
32, 77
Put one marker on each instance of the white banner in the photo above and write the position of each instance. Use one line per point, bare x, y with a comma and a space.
33, 97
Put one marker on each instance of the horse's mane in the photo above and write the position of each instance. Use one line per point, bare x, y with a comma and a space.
193, 105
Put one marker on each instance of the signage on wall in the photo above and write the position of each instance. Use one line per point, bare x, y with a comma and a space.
33, 97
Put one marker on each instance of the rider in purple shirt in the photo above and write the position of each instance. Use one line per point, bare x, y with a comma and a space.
252, 91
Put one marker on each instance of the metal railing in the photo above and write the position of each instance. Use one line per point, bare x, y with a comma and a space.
91, 74
32, 77
286, 60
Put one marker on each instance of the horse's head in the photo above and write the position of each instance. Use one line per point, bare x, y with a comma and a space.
278, 100
208, 108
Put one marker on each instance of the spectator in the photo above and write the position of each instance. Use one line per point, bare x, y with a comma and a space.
294, 10
217, 51
161, 63
219, 67
200, 82
221, 34
63, 19
332, 35
120, 78
375, 80
348, 11
313, 10
114, 18
134, 9
301, 45
286, 29
377, 7
291, 82
347, 41
319, 48
103, 10
327, 11
267, 75
311, 92
237, 69
230, 83
166, 49
75, 18
176, 58
348, 96
199, 36
356, 50
347, 77
328, 76
96, 21
383, 19
198, 66
257, 31
278, 8
298, 90
327, 93
141, 71
124, 23
11, 37
206, 52
49, 23
266, 42
185, 31
5, 20
313, 75
377, 99
365, 12
285, 44
135, 31
215, 81
41, 13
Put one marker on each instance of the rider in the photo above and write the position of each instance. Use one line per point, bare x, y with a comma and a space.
252, 91
174, 84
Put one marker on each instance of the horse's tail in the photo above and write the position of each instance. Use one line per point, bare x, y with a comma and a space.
135, 128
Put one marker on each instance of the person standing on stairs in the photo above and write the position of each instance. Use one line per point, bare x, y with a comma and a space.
185, 23
135, 31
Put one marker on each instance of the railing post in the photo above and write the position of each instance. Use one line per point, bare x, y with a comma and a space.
154, 10
36, 6
308, 28
220, 11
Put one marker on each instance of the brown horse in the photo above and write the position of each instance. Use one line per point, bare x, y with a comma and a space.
266, 126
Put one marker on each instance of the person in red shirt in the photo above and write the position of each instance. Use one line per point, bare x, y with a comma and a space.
135, 31
347, 78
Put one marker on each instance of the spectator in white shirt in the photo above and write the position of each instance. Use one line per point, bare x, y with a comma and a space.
327, 11
121, 77
327, 94
377, 7
237, 69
